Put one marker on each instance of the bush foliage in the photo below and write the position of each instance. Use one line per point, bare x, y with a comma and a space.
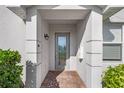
113, 77
10, 70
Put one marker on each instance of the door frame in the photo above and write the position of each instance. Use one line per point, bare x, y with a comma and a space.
62, 33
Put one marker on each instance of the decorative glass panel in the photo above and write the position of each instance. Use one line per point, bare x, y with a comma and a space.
62, 49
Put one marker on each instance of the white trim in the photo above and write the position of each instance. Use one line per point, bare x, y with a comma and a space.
112, 42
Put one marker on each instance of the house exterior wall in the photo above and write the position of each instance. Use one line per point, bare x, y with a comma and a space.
63, 28
82, 33
31, 36
31, 47
37, 48
92, 57
34, 37
12, 35
96, 49
43, 56
89, 68
87, 36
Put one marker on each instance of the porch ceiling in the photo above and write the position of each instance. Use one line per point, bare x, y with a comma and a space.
63, 21
64, 14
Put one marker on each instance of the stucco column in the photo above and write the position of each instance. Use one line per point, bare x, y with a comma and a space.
94, 53
123, 43
31, 48
31, 39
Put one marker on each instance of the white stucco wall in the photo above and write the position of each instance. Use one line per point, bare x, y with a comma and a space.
89, 35
83, 34
81, 44
43, 49
37, 48
12, 29
95, 51
40, 71
63, 28
31, 36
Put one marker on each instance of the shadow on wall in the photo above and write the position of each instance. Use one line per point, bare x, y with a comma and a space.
82, 29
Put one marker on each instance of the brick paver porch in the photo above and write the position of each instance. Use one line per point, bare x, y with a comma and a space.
62, 79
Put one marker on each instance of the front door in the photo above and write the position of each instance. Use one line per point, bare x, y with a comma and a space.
62, 50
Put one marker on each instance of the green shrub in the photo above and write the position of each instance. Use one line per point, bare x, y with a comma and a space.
10, 69
113, 77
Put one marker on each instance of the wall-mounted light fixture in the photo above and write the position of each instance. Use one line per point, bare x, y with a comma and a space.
46, 36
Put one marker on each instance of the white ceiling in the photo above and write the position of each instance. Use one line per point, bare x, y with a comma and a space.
63, 14
63, 21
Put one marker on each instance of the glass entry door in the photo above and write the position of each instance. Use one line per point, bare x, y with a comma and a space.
62, 50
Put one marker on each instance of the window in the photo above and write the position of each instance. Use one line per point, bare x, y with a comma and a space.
112, 41
112, 52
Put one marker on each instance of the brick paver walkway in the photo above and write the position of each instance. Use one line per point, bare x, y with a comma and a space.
62, 79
